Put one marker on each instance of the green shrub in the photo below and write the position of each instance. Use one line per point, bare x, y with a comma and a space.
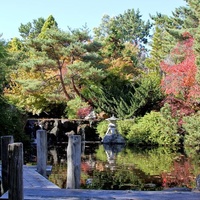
192, 128
73, 106
164, 130
140, 132
12, 121
124, 126
155, 128
102, 128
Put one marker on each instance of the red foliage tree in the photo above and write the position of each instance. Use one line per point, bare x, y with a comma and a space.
83, 112
179, 81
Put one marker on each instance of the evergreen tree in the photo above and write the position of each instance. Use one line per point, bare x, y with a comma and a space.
195, 6
167, 32
116, 32
126, 99
157, 52
48, 24
3, 67
54, 69
33, 29
129, 25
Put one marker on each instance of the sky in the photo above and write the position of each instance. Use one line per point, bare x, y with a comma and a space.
75, 13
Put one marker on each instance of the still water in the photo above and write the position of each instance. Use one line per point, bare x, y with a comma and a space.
128, 168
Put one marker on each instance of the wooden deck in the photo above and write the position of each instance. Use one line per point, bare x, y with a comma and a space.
37, 187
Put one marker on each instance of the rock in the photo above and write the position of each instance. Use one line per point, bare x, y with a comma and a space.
150, 185
91, 116
70, 133
113, 139
197, 189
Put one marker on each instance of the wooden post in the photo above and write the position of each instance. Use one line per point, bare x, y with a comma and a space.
41, 152
15, 171
5, 140
74, 162
198, 183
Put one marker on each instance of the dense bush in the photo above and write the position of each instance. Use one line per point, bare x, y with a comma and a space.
140, 132
12, 121
102, 128
155, 128
123, 126
77, 109
192, 128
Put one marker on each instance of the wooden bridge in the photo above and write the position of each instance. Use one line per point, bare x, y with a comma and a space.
26, 183
37, 187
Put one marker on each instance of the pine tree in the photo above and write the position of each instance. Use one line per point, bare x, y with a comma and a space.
195, 6
161, 44
54, 69
3, 66
48, 24
33, 29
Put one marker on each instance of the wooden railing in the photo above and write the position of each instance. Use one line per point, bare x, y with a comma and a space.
12, 163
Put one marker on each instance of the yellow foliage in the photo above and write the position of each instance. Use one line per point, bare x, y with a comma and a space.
124, 67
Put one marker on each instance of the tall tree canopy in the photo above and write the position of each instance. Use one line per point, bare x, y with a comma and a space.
129, 26
179, 81
168, 31
3, 67
122, 31
181, 71
195, 6
55, 68
33, 29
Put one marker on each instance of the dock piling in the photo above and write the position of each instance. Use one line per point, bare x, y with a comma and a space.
41, 152
5, 140
74, 162
15, 171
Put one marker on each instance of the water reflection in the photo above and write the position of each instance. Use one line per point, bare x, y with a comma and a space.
111, 153
122, 167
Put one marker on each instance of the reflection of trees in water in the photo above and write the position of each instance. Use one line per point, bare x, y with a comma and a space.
124, 178
180, 174
151, 161
194, 159
123, 175
137, 169
173, 168
58, 154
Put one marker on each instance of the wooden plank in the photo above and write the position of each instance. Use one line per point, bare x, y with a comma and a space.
33, 180
79, 194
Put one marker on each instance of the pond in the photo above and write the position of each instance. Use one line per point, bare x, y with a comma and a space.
127, 168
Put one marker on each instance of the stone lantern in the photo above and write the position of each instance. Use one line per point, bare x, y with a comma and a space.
112, 135
112, 129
